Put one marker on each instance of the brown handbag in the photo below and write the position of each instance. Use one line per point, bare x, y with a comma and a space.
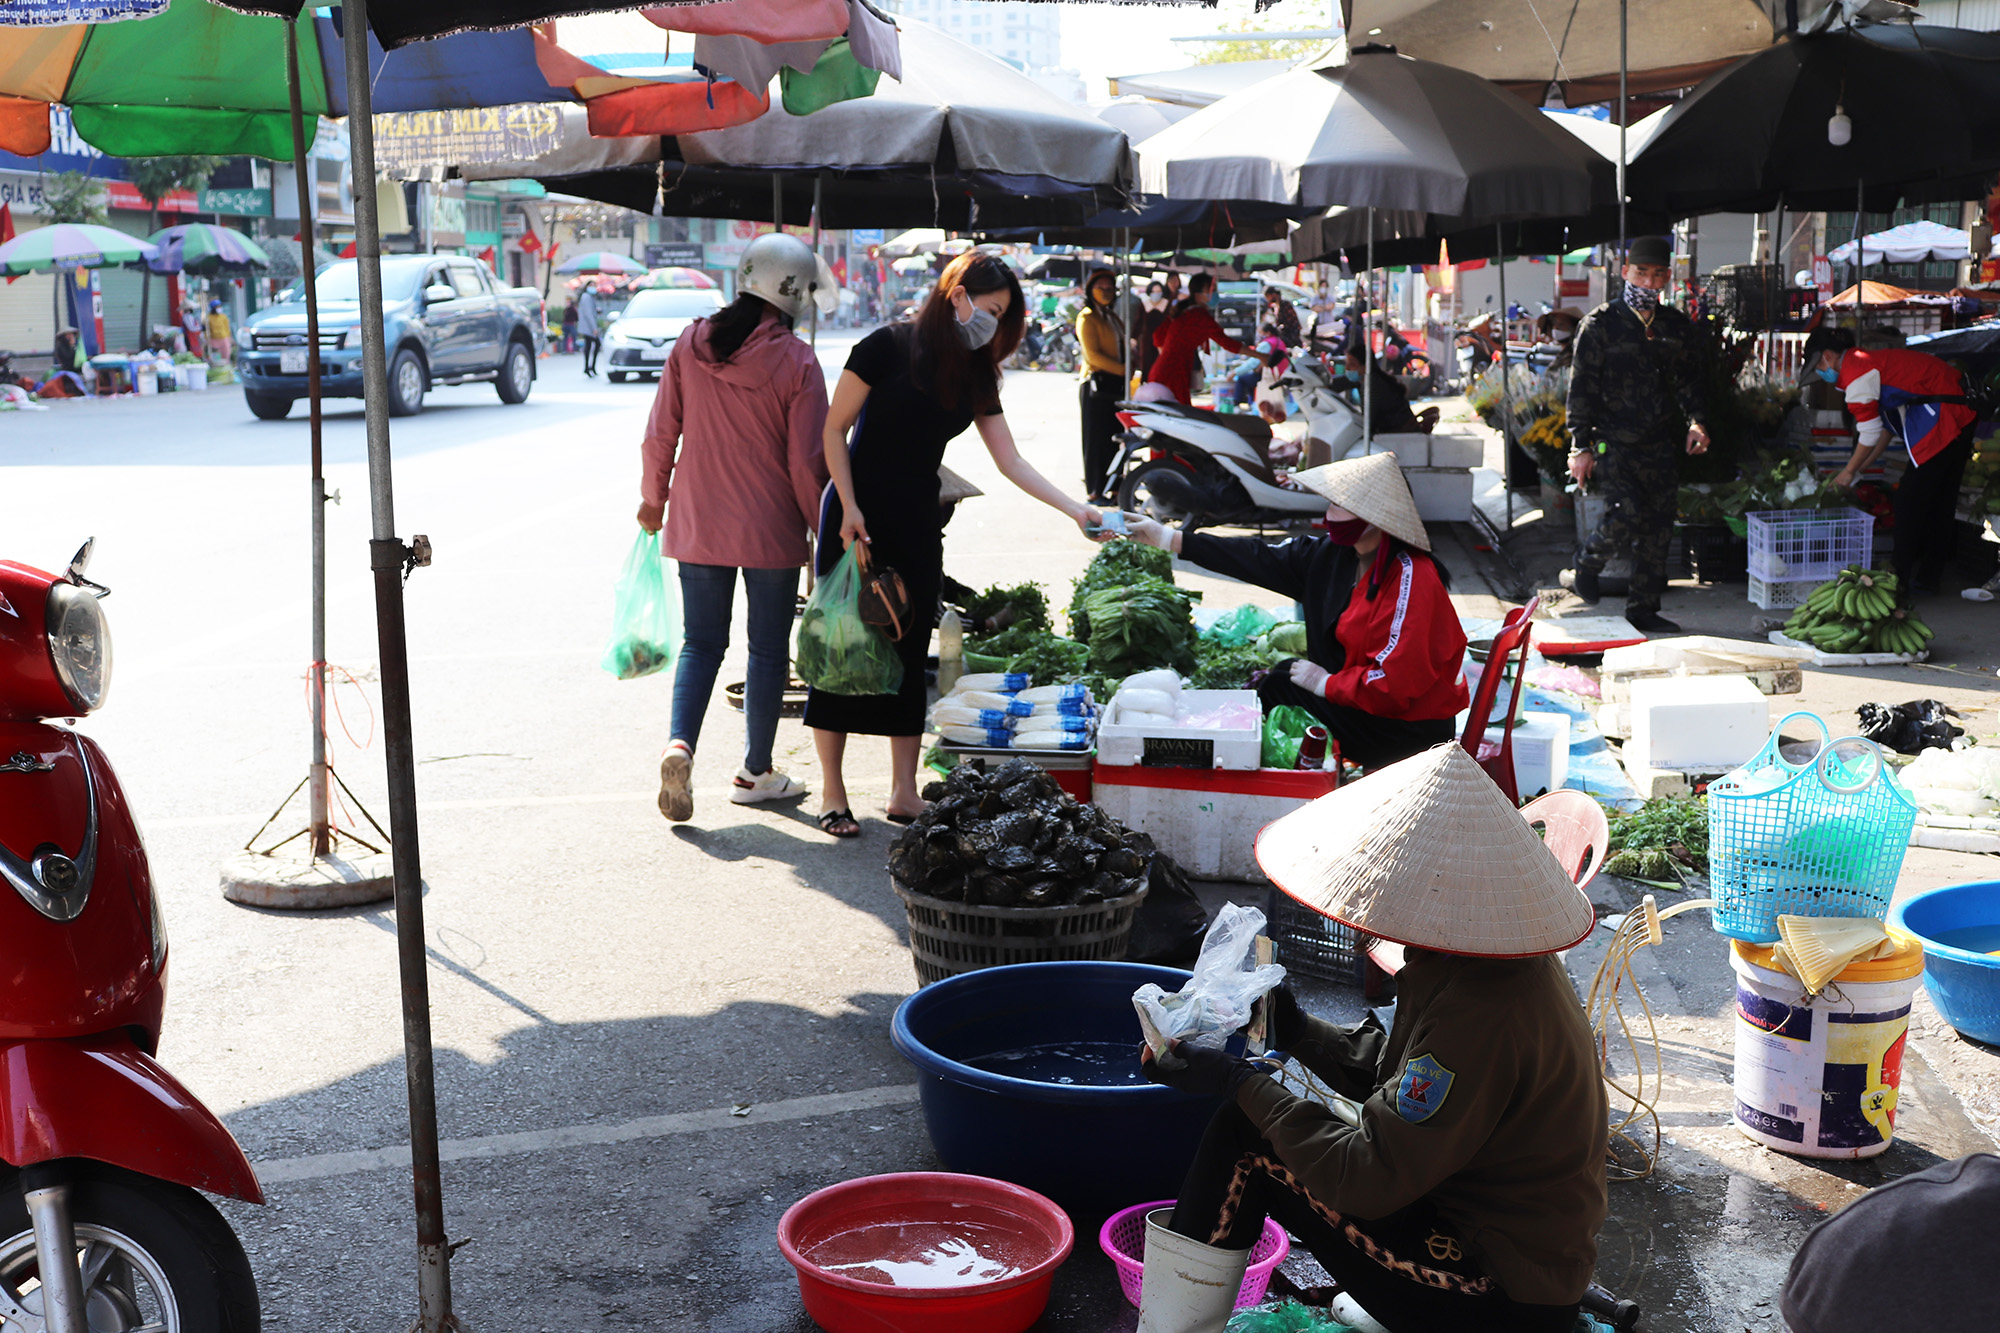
885, 603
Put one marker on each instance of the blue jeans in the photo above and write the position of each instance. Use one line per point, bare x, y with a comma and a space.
707, 595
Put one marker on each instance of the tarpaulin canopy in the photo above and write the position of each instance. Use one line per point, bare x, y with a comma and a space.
1383, 130
1872, 293
1911, 243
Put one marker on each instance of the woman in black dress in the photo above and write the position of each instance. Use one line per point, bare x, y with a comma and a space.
909, 389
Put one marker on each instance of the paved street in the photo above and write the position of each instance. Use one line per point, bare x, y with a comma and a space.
609, 990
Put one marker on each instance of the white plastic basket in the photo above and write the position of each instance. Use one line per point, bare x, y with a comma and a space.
1808, 545
1777, 596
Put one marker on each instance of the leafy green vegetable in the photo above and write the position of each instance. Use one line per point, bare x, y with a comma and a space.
1143, 623
1225, 666
1661, 839
1024, 606
1052, 661
1286, 640
1114, 565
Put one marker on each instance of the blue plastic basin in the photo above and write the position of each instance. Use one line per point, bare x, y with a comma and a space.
1091, 1148
1958, 924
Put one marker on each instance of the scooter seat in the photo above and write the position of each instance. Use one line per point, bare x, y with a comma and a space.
1247, 424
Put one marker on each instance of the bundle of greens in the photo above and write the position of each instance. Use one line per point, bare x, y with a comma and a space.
1224, 665
1114, 565
1024, 606
1143, 623
1660, 841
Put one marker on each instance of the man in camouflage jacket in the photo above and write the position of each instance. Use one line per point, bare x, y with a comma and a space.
1634, 388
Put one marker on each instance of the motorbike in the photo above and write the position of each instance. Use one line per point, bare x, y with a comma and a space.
1198, 468
103, 1154
1047, 344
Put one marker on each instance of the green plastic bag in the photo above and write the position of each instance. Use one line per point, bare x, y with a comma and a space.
1243, 624
645, 616
838, 651
1284, 727
1285, 1317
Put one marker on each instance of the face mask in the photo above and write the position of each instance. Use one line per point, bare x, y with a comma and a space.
1640, 298
979, 330
1347, 531
1562, 335
1830, 376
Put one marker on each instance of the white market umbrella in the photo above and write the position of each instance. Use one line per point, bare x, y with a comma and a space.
915, 241
1911, 243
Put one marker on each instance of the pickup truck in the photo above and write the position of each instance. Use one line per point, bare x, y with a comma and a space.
444, 321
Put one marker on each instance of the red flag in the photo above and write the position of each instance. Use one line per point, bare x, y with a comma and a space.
530, 242
7, 230
349, 252
492, 260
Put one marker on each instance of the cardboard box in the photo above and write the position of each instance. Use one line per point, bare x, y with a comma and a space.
1711, 723
1186, 747
1443, 495
1206, 820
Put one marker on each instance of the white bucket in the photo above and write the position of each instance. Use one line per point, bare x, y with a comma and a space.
195, 377
145, 377
1819, 1077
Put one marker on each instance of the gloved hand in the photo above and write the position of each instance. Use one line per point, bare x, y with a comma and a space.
1287, 1026
1199, 1071
1310, 677
1150, 532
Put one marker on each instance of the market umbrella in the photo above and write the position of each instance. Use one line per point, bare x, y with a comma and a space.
1153, 222
1911, 243
1382, 131
601, 261
1873, 293
673, 277
917, 240
205, 249
71, 245
286, 262
1921, 108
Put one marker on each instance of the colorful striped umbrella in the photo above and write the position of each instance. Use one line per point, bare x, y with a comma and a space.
71, 245
205, 249
684, 278
601, 261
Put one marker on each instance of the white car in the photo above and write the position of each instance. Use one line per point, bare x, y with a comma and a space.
639, 339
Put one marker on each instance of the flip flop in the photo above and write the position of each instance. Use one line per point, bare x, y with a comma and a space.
830, 823
899, 819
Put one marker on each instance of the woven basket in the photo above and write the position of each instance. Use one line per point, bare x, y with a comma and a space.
947, 938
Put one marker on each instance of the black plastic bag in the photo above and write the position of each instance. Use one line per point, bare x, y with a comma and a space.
1171, 921
1911, 728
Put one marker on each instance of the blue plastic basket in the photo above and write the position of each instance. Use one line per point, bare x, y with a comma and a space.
1823, 838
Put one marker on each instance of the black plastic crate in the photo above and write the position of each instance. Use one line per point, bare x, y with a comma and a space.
1714, 554
1313, 945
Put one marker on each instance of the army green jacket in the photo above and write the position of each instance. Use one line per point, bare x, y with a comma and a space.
1629, 382
1486, 1099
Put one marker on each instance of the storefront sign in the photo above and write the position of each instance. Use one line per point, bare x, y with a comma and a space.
865, 236
411, 139
124, 194
238, 203
1822, 273
21, 190
447, 217
676, 254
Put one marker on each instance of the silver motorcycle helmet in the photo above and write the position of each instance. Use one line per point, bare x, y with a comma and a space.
784, 271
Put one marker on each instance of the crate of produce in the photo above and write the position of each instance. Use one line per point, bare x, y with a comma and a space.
1313, 945
1781, 595
1809, 545
947, 938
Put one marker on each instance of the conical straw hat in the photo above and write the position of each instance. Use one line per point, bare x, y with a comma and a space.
1372, 488
1428, 852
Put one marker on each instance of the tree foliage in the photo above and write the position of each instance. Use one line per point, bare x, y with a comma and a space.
157, 177
71, 196
1284, 16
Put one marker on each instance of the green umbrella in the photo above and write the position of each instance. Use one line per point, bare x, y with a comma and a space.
205, 249
71, 245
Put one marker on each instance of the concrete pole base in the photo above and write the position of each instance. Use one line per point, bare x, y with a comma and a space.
295, 881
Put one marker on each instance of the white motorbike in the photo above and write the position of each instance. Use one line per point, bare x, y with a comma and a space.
1199, 468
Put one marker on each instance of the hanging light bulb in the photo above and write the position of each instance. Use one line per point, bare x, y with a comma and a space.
1839, 129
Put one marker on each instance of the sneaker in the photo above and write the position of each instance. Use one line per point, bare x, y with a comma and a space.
1582, 582
1652, 622
677, 783
756, 788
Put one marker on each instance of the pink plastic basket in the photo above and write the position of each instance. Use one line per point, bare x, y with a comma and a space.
1123, 1238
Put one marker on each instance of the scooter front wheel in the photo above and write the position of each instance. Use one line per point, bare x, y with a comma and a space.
155, 1257
1157, 490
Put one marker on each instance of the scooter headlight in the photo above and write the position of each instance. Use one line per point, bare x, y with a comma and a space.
79, 645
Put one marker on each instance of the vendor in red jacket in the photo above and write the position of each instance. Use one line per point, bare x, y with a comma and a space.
1383, 644
1188, 329
1919, 402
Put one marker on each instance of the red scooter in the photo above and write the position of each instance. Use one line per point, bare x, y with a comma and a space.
102, 1151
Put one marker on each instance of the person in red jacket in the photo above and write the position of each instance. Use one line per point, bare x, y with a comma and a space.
1920, 402
1188, 329
1384, 649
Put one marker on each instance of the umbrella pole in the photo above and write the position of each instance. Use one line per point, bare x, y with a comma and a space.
1860, 266
316, 782
1624, 113
391, 559
812, 331
1125, 305
1368, 347
1506, 399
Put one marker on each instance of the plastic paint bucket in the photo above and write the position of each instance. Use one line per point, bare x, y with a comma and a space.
1819, 1077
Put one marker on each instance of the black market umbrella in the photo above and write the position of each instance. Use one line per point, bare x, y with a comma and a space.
1922, 118
1178, 223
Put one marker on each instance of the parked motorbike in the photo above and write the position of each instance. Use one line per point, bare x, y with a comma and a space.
102, 1151
1047, 344
1200, 469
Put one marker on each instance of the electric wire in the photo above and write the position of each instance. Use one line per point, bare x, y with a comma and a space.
1640, 927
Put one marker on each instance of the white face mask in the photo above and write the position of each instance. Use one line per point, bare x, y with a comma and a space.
978, 330
1561, 335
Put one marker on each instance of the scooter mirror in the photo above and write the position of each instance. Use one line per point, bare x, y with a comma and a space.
81, 560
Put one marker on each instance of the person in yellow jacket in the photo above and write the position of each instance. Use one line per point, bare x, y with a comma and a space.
219, 336
1102, 334
1462, 1184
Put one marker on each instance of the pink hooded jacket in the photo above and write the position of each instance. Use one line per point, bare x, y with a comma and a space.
733, 450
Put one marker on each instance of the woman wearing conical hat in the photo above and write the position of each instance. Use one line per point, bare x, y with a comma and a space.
1470, 1193
1383, 645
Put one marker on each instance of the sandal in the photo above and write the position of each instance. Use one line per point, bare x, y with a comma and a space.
839, 824
895, 818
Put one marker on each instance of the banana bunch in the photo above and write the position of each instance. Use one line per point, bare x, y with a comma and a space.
1857, 613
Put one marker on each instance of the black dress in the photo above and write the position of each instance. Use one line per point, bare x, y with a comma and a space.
895, 450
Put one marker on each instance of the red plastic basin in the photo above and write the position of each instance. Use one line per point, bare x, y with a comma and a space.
1032, 1234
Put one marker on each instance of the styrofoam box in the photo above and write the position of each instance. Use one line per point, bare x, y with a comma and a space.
1412, 449
1205, 820
1443, 495
1457, 451
1709, 722
1541, 752
1186, 747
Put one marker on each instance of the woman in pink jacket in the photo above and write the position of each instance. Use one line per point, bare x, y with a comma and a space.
734, 465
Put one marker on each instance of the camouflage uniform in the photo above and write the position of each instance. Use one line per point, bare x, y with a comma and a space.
1632, 391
